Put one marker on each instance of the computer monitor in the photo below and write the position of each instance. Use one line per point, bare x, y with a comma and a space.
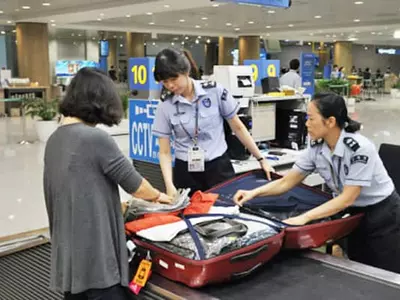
270, 84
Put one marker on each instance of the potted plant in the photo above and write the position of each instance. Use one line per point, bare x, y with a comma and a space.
44, 111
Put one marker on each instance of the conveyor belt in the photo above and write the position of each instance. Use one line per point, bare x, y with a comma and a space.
292, 276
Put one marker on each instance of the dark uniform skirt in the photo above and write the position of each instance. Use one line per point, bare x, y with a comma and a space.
216, 171
376, 242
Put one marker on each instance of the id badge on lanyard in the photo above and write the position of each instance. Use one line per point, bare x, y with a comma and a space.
196, 155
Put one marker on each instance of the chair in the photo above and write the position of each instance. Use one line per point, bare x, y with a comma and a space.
390, 155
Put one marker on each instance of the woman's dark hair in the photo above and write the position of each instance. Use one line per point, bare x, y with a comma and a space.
194, 70
170, 63
93, 98
333, 105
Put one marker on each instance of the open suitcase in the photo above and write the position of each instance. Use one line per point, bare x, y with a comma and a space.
293, 203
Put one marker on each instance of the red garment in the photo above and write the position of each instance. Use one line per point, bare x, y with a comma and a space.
200, 203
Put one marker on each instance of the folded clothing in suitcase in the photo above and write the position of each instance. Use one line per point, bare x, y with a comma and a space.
228, 247
295, 202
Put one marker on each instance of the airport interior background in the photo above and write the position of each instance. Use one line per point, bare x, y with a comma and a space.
44, 43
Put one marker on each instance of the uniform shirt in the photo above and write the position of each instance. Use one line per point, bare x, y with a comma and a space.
291, 79
176, 114
354, 162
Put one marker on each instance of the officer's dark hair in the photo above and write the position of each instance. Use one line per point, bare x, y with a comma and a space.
294, 64
93, 98
333, 105
170, 63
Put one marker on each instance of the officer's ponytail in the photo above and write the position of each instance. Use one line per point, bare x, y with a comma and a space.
333, 105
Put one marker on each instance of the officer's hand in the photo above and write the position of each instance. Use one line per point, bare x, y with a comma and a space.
165, 199
171, 191
267, 168
297, 221
241, 197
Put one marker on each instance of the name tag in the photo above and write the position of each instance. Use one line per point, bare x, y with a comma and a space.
196, 159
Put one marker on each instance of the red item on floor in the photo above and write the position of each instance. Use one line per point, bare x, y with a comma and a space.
200, 203
355, 90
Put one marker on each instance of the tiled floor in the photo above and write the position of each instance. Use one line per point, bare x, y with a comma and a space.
22, 205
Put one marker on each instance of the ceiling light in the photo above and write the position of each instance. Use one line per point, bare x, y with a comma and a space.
357, 20
396, 34
380, 33
152, 23
46, 4
182, 20
290, 25
250, 22
3, 32
358, 2
204, 18
186, 38
175, 38
53, 24
199, 37
333, 35
208, 41
228, 24
101, 15
237, 29
357, 31
268, 27
311, 33
309, 43
327, 36
128, 16
352, 39
121, 45
1, 11
72, 34
79, 34
172, 44
167, 6
145, 44
154, 44
197, 41
317, 17
198, 26
365, 48
183, 43
93, 38
149, 13
271, 11
115, 36
52, 21
215, 5
286, 41
99, 19
25, 7
373, 32
14, 31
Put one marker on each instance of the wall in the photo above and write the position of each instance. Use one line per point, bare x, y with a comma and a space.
3, 52
290, 52
369, 58
92, 50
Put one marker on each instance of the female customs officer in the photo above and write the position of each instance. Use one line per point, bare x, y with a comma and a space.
193, 112
352, 168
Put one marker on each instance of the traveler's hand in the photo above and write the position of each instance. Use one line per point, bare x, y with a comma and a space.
297, 221
164, 199
267, 168
242, 196
171, 191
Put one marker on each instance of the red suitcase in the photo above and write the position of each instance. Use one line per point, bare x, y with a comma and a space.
296, 237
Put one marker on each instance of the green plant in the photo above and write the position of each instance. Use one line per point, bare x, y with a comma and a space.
397, 85
125, 103
323, 85
42, 108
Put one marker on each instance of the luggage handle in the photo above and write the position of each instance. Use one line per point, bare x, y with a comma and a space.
249, 255
236, 276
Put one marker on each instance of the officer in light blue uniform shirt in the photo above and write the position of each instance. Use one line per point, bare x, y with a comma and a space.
193, 113
353, 170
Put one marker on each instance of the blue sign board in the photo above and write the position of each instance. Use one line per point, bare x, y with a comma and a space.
263, 68
143, 146
388, 51
274, 3
104, 48
68, 68
141, 74
307, 65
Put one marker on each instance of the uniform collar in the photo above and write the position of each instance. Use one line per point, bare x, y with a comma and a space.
198, 92
339, 148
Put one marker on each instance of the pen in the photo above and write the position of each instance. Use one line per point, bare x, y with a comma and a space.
272, 158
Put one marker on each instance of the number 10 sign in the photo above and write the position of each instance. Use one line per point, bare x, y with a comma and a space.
141, 74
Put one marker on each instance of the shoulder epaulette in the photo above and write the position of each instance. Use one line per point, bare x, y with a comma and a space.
165, 94
317, 142
208, 84
351, 143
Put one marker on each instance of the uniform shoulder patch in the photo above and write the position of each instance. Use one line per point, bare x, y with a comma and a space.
315, 143
224, 95
359, 159
351, 143
208, 84
165, 94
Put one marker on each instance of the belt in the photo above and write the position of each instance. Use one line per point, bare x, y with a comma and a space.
376, 205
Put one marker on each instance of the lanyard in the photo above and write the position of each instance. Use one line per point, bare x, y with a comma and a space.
336, 177
194, 138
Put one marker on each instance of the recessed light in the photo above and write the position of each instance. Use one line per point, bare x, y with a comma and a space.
79, 34
197, 26
215, 5
3, 32
176, 38
199, 37
237, 29
152, 23
317, 17
154, 44
373, 32
114, 36
271, 11
352, 39
186, 38
14, 31
172, 44
182, 21
309, 43
25, 7
121, 45
167, 6
53, 24
149, 13
93, 38
46, 4
98, 19
250, 22
268, 27
290, 25
286, 41
145, 44
183, 43
128, 16
358, 2
357, 20
1, 11
396, 34
311, 33
204, 18
228, 24
208, 41
52, 21
197, 41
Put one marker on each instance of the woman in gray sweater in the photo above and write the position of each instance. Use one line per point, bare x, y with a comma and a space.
83, 167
